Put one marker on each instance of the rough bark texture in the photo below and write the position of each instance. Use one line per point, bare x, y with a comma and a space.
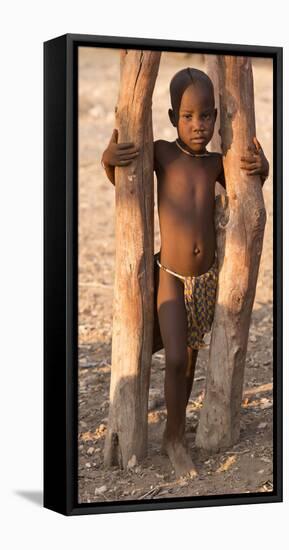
240, 222
211, 62
212, 70
133, 287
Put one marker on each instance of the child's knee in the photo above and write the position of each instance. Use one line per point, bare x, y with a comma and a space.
177, 361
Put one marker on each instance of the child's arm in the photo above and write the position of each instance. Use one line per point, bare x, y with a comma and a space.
157, 153
256, 163
117, 154
221, 176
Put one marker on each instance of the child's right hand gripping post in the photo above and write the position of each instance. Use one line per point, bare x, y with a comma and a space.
119, 154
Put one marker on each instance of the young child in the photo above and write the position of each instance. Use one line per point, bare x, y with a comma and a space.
187, 280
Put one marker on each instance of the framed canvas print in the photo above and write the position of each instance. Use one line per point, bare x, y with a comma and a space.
162, 274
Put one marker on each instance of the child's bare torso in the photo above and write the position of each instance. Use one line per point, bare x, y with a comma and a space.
186, 203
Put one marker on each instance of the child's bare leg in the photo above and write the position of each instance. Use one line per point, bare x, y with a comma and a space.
190, 372
173, 326
192, 360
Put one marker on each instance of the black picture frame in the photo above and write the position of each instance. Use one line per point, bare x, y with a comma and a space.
61, 276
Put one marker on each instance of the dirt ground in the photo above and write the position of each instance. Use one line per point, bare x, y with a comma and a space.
247, 466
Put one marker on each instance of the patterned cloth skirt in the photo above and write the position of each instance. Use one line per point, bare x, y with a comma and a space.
200, 298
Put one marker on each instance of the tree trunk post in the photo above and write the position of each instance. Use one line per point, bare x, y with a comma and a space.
212, 70
133, 286
240, 221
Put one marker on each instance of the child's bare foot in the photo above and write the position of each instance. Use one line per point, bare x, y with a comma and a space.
179, 457
164, 443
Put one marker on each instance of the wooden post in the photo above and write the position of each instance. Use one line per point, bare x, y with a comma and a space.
212, 70
211, 62
133, 287
240, 223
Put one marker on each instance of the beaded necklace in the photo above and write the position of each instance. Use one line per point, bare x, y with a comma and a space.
192, 154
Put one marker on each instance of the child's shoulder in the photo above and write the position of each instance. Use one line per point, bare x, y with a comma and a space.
162, 144
162, 151
218, 157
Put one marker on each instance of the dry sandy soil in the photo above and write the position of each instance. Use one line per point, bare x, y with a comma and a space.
247, 466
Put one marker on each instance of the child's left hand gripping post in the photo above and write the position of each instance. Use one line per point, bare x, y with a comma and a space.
256, 163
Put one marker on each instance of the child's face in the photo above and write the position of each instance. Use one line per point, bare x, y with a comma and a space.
197, 116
